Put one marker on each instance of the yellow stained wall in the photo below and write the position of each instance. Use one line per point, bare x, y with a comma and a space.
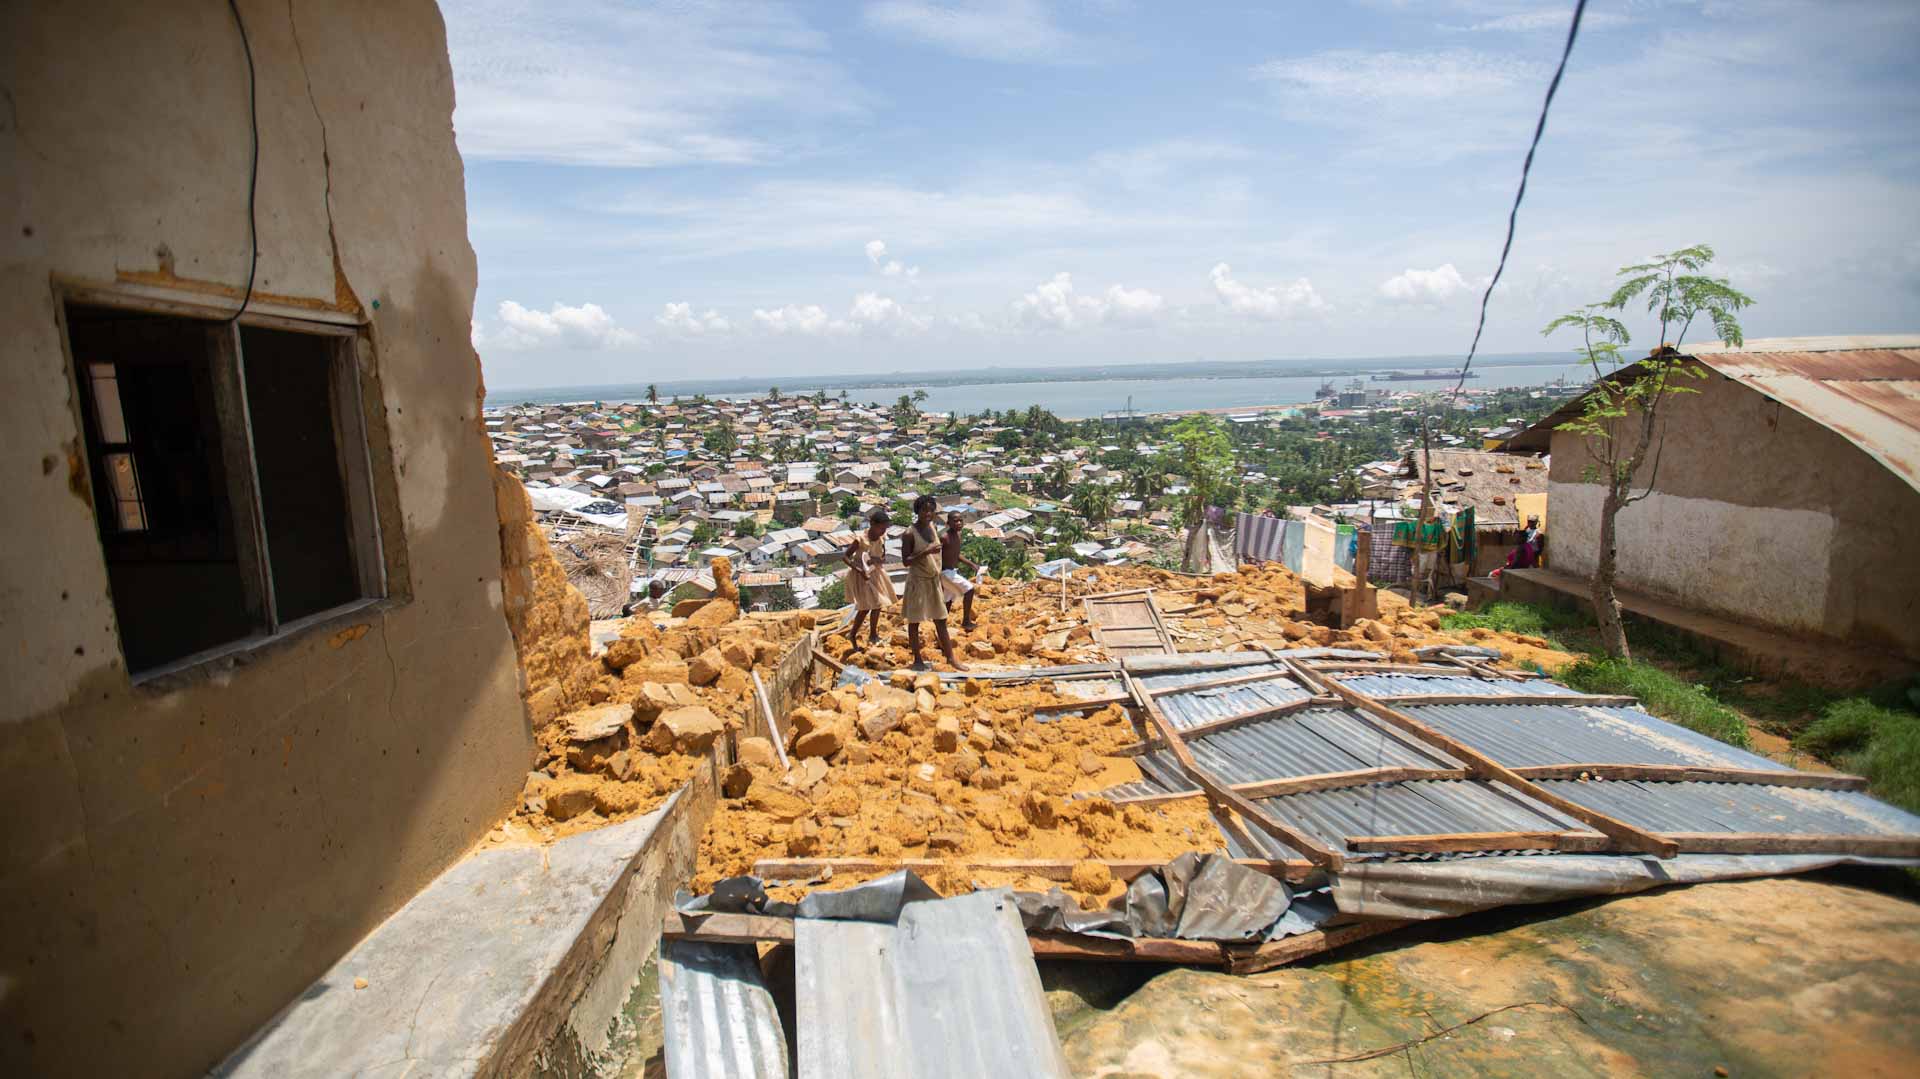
179, 863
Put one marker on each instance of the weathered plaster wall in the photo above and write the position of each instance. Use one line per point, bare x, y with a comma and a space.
1760, 515
178, 864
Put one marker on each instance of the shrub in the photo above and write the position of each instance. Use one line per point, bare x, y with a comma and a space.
834, 595
1663, 694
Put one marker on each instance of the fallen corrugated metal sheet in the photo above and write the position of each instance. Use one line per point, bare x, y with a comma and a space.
1522, 735
948, 990
1450, 685
716, 1016
1444, 889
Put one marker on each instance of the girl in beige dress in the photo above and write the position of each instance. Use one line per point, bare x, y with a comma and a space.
867, 583
920, 550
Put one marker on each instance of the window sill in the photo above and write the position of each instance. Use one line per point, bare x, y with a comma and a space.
198, 667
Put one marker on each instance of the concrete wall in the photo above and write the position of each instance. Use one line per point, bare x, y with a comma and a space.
180, 861
1760, 515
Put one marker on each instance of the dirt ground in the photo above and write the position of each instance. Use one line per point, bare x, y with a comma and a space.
1791, 976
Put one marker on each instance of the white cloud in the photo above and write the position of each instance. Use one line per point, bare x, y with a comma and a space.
810, 320
1279, 301
478, 335
680, 318
877, 254
1354, 75
873, 311
1133, 305
1553, 18
646, 84
587, 326
1007, 30
1430, 287
1056, 304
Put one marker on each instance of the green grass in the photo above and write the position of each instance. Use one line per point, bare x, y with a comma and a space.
1875, 733
1664, 695
1880, 743
1523, 619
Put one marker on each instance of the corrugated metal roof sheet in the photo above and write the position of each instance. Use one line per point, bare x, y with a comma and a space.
1864, 389
1523, 735
950, 990
716, 1015
1419, 807
1451, 685
1309, 742
1737, 807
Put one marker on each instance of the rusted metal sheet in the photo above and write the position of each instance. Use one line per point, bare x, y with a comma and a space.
1864, 389
1869, 397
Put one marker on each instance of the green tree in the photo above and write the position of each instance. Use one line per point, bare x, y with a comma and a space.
747, 526
653, 394
849, 505
704, 534
998, 559
1093, 501
721, 439
1620, 415
834, 595
904, 411
1204, 455
773, 393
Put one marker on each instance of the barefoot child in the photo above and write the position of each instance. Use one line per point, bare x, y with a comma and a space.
867, 583
953, 582
920, 550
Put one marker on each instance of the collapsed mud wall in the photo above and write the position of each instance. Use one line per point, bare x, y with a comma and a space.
547, 616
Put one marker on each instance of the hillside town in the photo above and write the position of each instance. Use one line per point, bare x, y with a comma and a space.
635, 493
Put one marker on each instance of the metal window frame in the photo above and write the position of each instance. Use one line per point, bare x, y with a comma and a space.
351, 364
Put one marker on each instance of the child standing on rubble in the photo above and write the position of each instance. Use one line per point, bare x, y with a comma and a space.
867, 583
952, 582
920, 550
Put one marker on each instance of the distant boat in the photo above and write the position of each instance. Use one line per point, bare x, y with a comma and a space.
1326, 390
1429, 375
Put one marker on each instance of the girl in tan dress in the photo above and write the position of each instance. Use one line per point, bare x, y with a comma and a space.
920, 550
867, 583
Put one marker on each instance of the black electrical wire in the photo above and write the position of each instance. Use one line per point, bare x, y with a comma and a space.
1513, 215
253, 167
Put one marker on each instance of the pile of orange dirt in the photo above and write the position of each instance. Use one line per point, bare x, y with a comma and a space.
646, 713
912, 770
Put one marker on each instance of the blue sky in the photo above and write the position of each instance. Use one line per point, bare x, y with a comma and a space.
691, 189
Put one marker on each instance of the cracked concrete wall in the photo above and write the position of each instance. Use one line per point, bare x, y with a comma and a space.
180, 862
1761, 515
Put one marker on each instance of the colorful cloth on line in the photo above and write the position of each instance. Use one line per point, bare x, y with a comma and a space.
1463, 539
1259, 538
1413, 535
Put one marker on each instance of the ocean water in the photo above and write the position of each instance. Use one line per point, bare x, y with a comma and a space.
1076, 399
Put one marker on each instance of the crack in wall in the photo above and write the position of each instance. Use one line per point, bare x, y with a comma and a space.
343, 290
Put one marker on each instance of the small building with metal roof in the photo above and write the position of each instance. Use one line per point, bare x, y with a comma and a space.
1783, 495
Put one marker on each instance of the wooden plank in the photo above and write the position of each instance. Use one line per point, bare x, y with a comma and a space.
727, 928
1250, 959
1886, 846
1574, 700
1324, 781
1235, 720
1486, 767
1160, 625
1462, 842
1883, 846
1330, 781
1049, 868
1221, 683
774, 734
1195, 953
1317, 853
1090, 704
1687, 773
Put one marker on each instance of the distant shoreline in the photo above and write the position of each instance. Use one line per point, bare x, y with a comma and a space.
896, 380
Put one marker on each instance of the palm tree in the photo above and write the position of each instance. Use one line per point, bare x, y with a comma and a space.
653, 394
